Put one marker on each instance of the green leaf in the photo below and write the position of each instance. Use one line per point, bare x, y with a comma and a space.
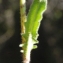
34, 18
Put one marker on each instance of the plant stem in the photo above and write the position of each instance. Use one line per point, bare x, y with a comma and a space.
26, 53
23, 15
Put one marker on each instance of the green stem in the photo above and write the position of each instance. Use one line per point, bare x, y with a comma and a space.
26, 49
23, 15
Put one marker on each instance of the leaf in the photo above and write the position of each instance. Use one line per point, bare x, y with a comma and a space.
34, 18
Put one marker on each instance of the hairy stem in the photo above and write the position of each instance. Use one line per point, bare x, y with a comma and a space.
23, 15
26, 53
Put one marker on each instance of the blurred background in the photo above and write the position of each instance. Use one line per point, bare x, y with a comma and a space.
50, 47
